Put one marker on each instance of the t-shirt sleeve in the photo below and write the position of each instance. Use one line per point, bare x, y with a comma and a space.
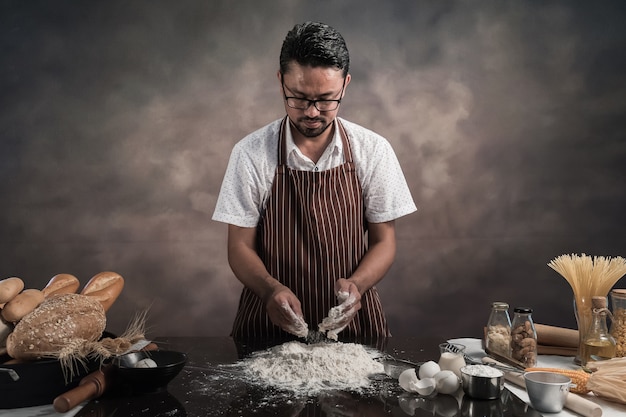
387, 196
239, 198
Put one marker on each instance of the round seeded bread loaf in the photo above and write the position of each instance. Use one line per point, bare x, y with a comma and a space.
60, 322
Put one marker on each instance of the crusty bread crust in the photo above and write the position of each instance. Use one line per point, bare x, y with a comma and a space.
61, 284
22, 304
105, 287
9, 288
59, 321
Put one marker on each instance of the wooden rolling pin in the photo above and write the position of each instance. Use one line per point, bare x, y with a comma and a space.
91, 386
556, 336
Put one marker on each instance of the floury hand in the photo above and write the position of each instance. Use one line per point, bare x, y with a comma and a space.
339, 316
297, 326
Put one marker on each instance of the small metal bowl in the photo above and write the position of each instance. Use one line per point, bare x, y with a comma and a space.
547, 391
482, 382
169, 364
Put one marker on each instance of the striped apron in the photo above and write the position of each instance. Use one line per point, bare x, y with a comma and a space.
312, 233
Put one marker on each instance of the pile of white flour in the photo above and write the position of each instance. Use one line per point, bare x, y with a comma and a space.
310, 369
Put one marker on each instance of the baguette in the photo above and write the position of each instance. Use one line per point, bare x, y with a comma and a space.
104, 287
9, 288
22, 304
61, 284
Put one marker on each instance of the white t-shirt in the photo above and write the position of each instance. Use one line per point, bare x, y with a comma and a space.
252, 165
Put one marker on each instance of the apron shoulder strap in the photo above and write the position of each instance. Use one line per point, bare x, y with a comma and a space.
347, 151
282, 147
282, 143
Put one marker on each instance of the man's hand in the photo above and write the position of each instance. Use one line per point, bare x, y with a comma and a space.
340, 316
349, 296
285, 311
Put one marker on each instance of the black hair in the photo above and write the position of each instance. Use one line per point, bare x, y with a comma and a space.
314, 44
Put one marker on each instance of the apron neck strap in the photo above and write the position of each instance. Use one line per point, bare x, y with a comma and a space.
282, 142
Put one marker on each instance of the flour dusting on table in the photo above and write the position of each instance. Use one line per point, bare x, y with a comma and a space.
311, 369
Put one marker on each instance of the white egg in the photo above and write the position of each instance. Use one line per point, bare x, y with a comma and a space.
447, 382
425, 386
146, 363
407, 378
429, 369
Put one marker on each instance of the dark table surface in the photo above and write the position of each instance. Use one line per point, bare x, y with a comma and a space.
203, 388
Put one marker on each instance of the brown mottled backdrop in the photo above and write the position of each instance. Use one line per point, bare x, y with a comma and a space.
117, 119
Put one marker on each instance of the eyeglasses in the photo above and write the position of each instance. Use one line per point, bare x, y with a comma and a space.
304, 103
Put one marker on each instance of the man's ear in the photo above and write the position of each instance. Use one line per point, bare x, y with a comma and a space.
280, 82
345, 85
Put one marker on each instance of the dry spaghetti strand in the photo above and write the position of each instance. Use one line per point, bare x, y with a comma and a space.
589, 276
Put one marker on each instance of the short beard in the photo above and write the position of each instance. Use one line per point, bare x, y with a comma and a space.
312, 133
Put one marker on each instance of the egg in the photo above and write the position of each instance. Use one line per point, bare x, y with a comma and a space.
425, 386
407, 379
447, 382
146, 363
429, 369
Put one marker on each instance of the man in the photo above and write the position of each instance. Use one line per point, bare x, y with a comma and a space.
310, 201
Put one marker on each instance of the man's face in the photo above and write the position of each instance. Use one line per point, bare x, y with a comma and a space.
312, 83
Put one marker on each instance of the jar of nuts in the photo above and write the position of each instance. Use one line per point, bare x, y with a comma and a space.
618, 325
523, 337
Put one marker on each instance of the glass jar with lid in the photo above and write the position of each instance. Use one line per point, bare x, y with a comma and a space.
618, 325
498, 334
523, 337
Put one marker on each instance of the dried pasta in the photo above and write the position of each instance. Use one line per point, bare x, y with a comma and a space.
588, 276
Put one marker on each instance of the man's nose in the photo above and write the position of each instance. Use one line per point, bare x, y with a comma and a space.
311, 111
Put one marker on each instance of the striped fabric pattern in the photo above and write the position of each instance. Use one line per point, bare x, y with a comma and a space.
313, 232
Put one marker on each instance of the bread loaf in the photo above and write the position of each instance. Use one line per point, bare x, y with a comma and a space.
60, 322
22, 304
104, 287
9, 288
61, 284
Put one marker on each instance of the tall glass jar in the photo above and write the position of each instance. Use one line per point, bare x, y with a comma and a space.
523, 337
618, 325
498, 337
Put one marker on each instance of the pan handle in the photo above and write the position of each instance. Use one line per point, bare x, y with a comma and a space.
14, 376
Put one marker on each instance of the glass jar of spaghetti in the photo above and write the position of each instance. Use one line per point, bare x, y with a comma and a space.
618, 325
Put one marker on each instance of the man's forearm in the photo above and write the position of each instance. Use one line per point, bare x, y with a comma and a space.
249, 269
378, 258
246, 263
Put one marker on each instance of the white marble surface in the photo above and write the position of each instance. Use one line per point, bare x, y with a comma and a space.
39, 411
